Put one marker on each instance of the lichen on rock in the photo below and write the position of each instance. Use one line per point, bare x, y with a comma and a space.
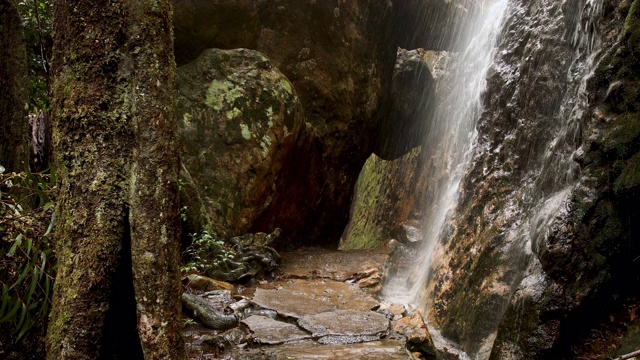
240, 120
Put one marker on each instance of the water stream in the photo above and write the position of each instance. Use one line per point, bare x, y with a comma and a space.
450, 139
449, 142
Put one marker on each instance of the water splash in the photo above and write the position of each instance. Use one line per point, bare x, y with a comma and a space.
449, 141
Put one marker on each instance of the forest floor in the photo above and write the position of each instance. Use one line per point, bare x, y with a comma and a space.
320, 305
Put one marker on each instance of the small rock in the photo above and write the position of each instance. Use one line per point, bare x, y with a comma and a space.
417, 333
369, 277
239, 305
203, 283
218, 298
226, 340
393, 308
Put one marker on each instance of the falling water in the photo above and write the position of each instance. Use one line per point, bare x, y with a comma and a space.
526, 146
450, 138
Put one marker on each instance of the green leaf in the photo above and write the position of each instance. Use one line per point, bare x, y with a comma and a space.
15, 245
5, 299
13, 311
32, 286
23, 315
29, 244
25, 327
47, 287
22, 276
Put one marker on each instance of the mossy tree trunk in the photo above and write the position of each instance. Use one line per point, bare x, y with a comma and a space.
115, 148
14, 130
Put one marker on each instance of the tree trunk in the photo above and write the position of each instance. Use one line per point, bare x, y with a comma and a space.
14, 131
115, 148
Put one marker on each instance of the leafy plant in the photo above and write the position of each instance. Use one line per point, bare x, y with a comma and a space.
27, 265
208, 254
37, 20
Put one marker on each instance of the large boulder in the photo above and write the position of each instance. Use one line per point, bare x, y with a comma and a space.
240, 122
391, 196
410, 107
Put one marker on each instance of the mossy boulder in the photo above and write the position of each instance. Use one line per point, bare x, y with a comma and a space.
240, 121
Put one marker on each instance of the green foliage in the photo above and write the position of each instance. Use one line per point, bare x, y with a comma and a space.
208, 254
37, 20
27, 265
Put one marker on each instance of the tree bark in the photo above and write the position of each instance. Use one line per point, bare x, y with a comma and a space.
14, 130
115, 148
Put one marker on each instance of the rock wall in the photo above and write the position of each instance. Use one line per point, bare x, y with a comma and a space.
386, 202
542, 241
391, 195
540, 258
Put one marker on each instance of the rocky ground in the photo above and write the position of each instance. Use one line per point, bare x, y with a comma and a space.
321, 304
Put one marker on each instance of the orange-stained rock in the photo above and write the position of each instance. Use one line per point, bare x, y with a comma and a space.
203, 283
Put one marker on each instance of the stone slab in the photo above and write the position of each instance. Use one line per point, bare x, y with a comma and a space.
272, 332
297, 298
345, 322
378, 350
334, 265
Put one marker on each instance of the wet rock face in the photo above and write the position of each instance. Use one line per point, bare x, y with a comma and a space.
535, 248
240, 121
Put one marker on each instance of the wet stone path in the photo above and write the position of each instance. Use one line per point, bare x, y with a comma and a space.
322, 305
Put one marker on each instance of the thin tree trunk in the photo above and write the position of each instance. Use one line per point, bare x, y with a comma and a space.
155, 221
114, 143
14, 130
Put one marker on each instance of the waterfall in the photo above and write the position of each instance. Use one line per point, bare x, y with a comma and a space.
449, 140
502, 150
503, 172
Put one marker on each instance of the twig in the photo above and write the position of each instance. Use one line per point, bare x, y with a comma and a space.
629, 355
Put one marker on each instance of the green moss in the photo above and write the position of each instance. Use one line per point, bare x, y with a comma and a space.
631, 341
364, 232
221, 92
246, 133
234, 113
624, 136
630, 176
631, 29
286, 85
